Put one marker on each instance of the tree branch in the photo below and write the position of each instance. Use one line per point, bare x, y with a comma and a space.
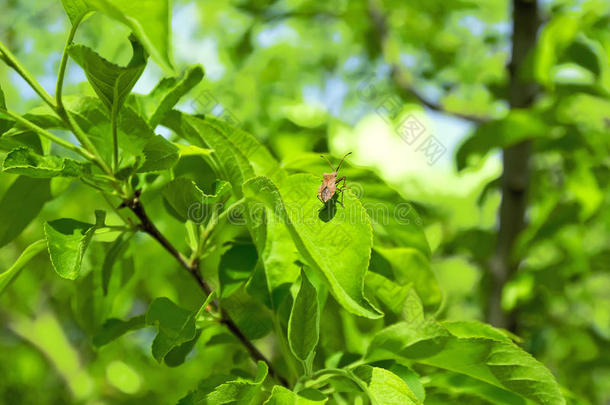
268, 15
147, 226
516, 172
398, 74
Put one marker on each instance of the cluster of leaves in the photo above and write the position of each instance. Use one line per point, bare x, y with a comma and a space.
564, 250
349, 304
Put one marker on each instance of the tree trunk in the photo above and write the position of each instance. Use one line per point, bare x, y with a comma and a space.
516, 171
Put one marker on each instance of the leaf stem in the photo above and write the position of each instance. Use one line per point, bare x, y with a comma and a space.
84, 140
62, 68
12, 61
335, 372
115, 139
231, 207
64, 114
43, 132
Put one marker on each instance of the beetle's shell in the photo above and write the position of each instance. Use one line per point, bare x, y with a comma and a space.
328, 187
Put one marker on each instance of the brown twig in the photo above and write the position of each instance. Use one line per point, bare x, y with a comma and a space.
516, 166
147, 226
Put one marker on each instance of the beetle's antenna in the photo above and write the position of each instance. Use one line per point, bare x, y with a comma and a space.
346, 155
330, 164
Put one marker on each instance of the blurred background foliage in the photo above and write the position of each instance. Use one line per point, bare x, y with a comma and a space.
309, 77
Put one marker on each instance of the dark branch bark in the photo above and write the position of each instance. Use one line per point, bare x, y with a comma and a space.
516, 159
150, 228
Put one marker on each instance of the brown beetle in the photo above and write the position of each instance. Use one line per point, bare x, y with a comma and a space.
329, 183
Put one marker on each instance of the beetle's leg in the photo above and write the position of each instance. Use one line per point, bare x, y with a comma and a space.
342, 178
341, 188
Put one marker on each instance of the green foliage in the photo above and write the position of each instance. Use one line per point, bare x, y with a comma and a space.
114, 328
67, 241
25, 162
175, 326
76, 10
26, 196
148, 20
220, 389
183, 195
349, 233
384, 387
304, 323
283, 396
159, 154
167, 93
394, 270
111, 83
9, 274
476, 350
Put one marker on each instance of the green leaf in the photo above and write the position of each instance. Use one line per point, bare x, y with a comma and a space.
395, 221
133, 131
178, 354
112, 83
224, 389
279, 257
252, 317
554, 38
283, 396
159, 154
474, 329
167, 93
114, 328
76, 10
192, 150
28, 254
459, 384
43, 116
518, 125
411, 378
384, 387
340, 248
190, 202
20, 204
397, 299
255, 153
412, 340
92, 116
410, 266
67, 241
175, 326
240, 154
149, 20
27, 163
304, 322
239, 157
472, 349
588, 112
236, 266
233, 165
117, 249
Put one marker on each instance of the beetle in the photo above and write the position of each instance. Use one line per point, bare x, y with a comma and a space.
329, 182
